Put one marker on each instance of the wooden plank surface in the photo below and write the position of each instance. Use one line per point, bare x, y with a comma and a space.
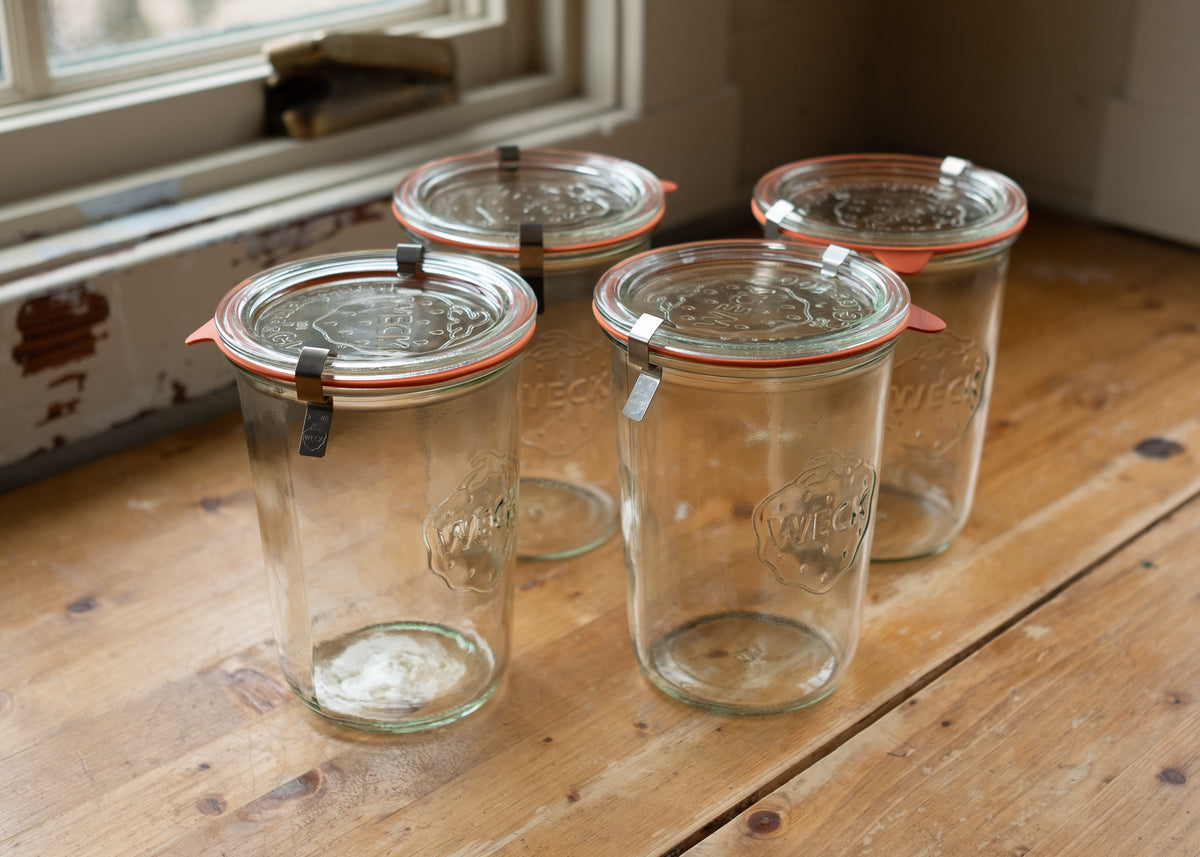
142, 712
1076, 732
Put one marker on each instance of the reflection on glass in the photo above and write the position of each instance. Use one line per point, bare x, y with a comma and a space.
79, 31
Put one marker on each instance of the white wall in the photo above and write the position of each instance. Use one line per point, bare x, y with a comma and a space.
1149, 168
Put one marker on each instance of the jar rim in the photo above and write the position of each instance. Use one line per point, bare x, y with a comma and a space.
499, 308
999, 210
866, 305
616, 200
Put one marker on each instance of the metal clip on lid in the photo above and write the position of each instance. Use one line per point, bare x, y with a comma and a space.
532, 261
409, 259
649, 375
833, 258
951, 169
510, 158
776, 214
318, 414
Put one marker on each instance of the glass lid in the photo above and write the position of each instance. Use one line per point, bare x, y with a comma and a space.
898, 202
386, 321
479, 201
766, 303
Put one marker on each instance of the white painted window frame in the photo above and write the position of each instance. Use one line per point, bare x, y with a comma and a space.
109, 147
28, 71
653, 87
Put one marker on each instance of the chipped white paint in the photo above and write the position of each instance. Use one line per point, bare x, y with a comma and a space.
137, 362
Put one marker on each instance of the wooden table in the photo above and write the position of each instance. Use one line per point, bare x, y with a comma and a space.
1034, 690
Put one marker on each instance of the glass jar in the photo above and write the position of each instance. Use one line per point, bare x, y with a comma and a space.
561, 219
752, 377
946, 226
380, 396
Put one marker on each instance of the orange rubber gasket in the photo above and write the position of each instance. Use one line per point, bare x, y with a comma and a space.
914, 317
934, 249
209, 333
549, 251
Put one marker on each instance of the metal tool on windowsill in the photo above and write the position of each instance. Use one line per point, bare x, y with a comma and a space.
324, 83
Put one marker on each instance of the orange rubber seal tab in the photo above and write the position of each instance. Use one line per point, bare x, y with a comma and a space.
208, 333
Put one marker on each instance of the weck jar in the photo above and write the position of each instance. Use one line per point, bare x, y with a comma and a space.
751, 377
946, 226
560, 218
380, 396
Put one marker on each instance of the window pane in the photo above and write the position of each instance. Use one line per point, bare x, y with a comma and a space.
83, 31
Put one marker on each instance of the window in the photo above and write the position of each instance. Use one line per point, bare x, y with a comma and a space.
110, 106
85, 42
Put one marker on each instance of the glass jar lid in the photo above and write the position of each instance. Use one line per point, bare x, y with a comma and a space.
757, 302
902, 208
479, 201
388, 320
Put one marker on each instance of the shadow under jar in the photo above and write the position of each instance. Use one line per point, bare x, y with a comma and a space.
380, 397
946, 226
751, 378
560, 219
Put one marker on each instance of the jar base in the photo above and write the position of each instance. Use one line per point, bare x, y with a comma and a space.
556, 520
911, 526
745, 663
401, 677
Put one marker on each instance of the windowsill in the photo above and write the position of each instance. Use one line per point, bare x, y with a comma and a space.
96, 224
104, 379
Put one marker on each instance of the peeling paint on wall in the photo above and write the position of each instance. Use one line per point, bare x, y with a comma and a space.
97, 355
57, 328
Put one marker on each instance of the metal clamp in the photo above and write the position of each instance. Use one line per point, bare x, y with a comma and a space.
531, 260
951, 169
649, 375
776, 214
318, 412
409, 259
510, 158
833, 258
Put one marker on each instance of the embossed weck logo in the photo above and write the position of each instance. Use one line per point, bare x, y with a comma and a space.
470, 533
935, 393
564, 396
810, 531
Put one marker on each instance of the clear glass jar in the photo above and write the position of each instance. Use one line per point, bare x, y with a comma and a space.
381, 409
749, 441
591, 211
946, 226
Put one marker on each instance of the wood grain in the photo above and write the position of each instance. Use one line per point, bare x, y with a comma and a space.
1074, 732
142, 710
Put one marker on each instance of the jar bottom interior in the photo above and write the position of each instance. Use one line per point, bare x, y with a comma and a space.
744, 662
559, 519
910, 525
401, 676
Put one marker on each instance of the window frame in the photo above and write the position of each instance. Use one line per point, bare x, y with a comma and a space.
31, 67
77, 167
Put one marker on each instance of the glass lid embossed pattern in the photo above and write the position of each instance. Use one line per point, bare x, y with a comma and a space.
381, 327
581, 199
892, 201
737, 302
